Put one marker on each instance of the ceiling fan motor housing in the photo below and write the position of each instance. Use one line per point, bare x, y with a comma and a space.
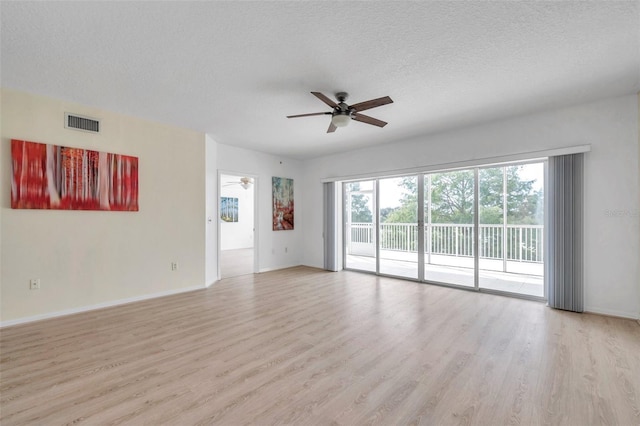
342, 96
342, 108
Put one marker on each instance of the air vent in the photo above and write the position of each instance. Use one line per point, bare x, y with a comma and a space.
77, 122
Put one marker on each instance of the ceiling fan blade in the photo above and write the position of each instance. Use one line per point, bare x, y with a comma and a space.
372, 103
308, 115
324, 99
332, 128
369, 120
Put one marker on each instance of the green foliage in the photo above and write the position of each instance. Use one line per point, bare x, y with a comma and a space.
408, 210
360, 211
452, 198
385, 212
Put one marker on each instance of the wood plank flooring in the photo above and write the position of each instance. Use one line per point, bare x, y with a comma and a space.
236, 262
303, 346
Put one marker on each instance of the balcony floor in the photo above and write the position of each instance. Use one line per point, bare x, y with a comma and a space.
523, 278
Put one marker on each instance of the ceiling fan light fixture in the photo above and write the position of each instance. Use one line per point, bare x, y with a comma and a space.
342, 113
245, 182
341, 119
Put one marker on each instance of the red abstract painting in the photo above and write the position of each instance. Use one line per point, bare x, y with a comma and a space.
57, 177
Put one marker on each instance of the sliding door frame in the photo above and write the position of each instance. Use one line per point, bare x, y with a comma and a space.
376, 221
422, 231
346, 218
476, 229
544, 162
421, 227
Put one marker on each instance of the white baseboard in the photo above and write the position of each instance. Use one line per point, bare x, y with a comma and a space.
277, 268
71, 311
612, 313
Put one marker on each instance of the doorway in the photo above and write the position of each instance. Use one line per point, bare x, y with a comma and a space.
237, 225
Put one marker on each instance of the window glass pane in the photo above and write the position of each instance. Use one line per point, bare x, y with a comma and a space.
510, 252
449, 228
399, 226
360, 249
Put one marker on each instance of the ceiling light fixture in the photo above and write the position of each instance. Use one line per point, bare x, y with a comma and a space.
245, 182
341, 119
343, 113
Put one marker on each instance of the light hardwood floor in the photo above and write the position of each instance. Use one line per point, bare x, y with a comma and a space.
303, 346
236, 262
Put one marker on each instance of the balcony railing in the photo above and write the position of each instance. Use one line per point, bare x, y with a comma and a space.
522, 243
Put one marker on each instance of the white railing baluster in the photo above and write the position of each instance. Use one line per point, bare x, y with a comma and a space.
522, 242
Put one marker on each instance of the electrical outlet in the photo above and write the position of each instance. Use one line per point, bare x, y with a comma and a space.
174, 266
286, 250
34, 284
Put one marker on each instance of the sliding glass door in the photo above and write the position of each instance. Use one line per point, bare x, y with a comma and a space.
449, 253
511, 207
479, 228
399, 226
360, 225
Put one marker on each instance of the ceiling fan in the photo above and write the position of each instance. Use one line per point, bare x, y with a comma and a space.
244, 182
343, 113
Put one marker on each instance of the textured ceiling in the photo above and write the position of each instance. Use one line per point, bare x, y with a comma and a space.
236, 69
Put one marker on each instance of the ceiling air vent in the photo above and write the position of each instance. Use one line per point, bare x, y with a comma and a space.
77, 122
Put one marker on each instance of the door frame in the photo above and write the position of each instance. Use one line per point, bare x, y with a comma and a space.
256, 221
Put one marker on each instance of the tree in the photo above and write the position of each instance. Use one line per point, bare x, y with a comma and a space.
360, 211
524, 204
385, 212
408, 210
452, 198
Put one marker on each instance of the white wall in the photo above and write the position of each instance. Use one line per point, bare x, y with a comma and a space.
88, 259
95, 258
238, 235
211, 200
275, 249
612, 183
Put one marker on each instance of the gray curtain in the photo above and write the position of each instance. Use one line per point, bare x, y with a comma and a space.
565, 260
330, 225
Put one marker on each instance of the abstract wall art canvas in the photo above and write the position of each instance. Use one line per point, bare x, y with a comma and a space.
283, 205
57, 177
229, 209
